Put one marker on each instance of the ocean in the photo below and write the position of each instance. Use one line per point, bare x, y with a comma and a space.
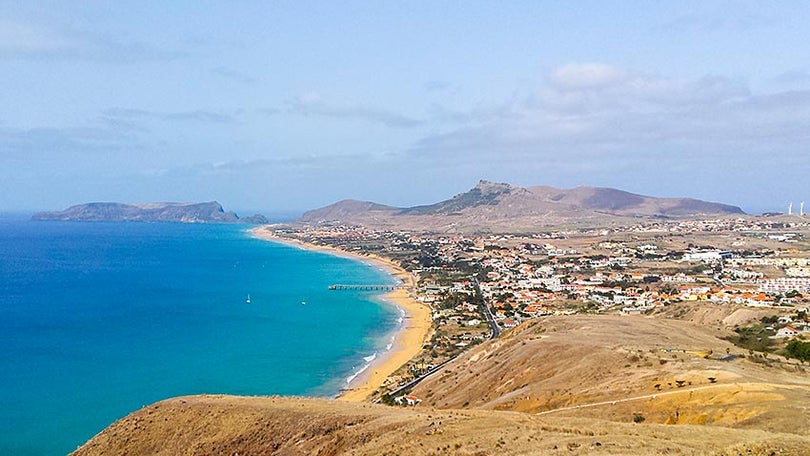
100, 319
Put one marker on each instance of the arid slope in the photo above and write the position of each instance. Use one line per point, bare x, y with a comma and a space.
228, 425
666, 371
493, 206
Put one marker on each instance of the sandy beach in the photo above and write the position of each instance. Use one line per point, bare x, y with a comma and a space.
408, 341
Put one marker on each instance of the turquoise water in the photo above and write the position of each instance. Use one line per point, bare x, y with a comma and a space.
99, 319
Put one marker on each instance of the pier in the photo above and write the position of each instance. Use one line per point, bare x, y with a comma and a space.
384, 287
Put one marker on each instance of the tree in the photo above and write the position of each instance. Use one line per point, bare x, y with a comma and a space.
669, 289
387, 399
793, 294
770, 320
799, 350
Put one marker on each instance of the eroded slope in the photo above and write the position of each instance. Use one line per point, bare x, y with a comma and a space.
211, 425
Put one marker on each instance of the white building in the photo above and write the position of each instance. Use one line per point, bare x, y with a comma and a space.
787, 331
715, 255
785, 284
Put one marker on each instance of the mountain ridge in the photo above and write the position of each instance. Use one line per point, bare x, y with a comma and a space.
502, 206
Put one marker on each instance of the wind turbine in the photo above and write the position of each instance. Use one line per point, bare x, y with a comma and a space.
790, 208
801, 209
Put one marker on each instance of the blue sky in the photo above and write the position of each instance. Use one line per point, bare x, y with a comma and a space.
283, 106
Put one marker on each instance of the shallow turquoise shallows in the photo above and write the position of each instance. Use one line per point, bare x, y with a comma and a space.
99, 319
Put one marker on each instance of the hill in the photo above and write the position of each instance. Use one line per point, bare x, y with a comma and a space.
503, 207
579, 384
228, 425
666, 371
210, 212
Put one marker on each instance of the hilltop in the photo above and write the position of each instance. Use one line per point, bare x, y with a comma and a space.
493, 206
203, 425
209, 212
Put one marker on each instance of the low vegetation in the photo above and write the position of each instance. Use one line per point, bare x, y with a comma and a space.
798, 349
755, 338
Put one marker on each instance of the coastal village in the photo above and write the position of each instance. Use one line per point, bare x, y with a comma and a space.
477, 286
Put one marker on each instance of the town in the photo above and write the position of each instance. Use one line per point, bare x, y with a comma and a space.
479, 285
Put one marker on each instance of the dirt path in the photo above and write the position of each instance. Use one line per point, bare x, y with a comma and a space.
636, 398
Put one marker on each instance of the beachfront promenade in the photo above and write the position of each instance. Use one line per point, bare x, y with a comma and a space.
384, 287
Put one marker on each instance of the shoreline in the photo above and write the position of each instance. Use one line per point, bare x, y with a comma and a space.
407, 339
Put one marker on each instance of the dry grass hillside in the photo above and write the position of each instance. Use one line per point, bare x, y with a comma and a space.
228, 425
498, 207
713, 316
622, 368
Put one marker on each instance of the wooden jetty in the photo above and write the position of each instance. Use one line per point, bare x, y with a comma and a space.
374, 287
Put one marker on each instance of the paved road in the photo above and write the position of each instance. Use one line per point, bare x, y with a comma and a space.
495, 330
416, 381
629, 399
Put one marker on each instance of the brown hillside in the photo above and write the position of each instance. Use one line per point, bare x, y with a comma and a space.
228, 425
562, 362
503, 207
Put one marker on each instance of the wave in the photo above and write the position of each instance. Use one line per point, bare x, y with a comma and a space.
368, 359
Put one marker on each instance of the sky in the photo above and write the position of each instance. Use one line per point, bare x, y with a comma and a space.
287, 106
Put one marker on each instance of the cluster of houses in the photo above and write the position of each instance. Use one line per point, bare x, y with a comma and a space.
517, 286
773, 228
785, 285
524, 277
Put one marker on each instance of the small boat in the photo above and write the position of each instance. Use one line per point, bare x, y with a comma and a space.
248, 299
303, 303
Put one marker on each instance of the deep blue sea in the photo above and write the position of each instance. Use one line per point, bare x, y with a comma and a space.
99, 319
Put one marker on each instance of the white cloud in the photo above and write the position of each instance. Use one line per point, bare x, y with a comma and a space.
18, 37
31, 41
737, 18
312, 104
592, 107
128, 114
579, 76
234, 75
437, 85
795, 76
